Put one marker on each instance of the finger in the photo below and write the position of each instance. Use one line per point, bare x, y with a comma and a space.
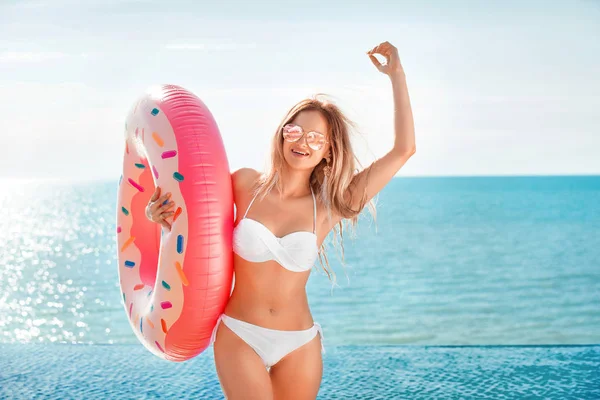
163, 199
155, 194
167, 214
165, 207
157, 213
373, 50
385, 49
391, 46
154, 207
375, 62
381, 48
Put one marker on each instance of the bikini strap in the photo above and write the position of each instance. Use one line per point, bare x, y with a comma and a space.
320, 332
315, 211
213, 336
250, 205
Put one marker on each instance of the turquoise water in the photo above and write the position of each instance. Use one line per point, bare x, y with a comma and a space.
454, 261
350, 372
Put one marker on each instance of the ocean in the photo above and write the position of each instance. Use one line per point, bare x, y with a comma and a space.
449, 261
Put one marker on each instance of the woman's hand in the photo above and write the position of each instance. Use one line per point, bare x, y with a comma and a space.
392, 66
156, 210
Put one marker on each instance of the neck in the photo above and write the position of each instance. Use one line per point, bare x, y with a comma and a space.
295, 183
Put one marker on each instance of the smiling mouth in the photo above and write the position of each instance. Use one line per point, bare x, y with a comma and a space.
300, 152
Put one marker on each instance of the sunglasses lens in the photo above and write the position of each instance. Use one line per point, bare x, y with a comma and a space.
292, 133
315, 140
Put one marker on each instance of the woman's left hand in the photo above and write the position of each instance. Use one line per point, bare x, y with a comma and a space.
392, 65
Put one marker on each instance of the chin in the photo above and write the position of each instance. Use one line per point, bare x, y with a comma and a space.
293, 163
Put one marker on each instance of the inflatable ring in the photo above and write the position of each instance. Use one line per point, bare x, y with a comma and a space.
175, 283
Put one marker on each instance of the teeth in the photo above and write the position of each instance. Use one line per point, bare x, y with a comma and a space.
299, 152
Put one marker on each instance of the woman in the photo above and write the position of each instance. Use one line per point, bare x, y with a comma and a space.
266, 344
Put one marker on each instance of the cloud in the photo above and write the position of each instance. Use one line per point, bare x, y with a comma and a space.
29, 56
211, 46
36, 56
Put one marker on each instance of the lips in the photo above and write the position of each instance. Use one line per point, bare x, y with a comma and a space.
300, 153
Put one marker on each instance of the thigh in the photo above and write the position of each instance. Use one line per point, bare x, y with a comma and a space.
240, 370
298, 375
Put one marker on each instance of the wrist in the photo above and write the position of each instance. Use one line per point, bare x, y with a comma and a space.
397, 76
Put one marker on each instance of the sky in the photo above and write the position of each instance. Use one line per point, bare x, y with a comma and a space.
497, 88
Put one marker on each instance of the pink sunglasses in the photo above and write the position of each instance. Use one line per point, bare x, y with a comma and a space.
293, 133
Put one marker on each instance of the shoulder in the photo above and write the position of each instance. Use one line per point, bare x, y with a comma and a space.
244, 178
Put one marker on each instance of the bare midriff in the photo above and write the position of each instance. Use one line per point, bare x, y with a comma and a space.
268, 295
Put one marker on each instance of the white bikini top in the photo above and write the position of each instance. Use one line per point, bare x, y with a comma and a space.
296, 251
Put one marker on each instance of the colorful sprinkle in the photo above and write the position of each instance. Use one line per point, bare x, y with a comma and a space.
158, 345
165, 202
178, 176
179, 244
169, 154
127, 147
125, 211
158, 139
151, 307
150, 292
154, 111
141, 166
136, 132
118, 229
166, 304
129, 264
149, 322
177, 214
155, 171
135, 184
181, 274
163, 324
166, 285
127, 243
123, 297
139, 286
130, 308
141, 320
120, 179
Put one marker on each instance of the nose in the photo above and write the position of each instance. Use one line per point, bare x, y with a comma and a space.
304, 140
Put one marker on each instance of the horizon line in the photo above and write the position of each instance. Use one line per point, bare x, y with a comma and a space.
106, 179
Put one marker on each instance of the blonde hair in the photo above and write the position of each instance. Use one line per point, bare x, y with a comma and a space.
332, 189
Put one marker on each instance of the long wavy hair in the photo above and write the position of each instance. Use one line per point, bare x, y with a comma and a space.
333, 190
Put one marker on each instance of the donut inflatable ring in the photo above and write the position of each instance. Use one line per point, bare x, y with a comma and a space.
175, 283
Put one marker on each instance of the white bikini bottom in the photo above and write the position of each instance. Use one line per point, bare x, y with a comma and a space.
271, 345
